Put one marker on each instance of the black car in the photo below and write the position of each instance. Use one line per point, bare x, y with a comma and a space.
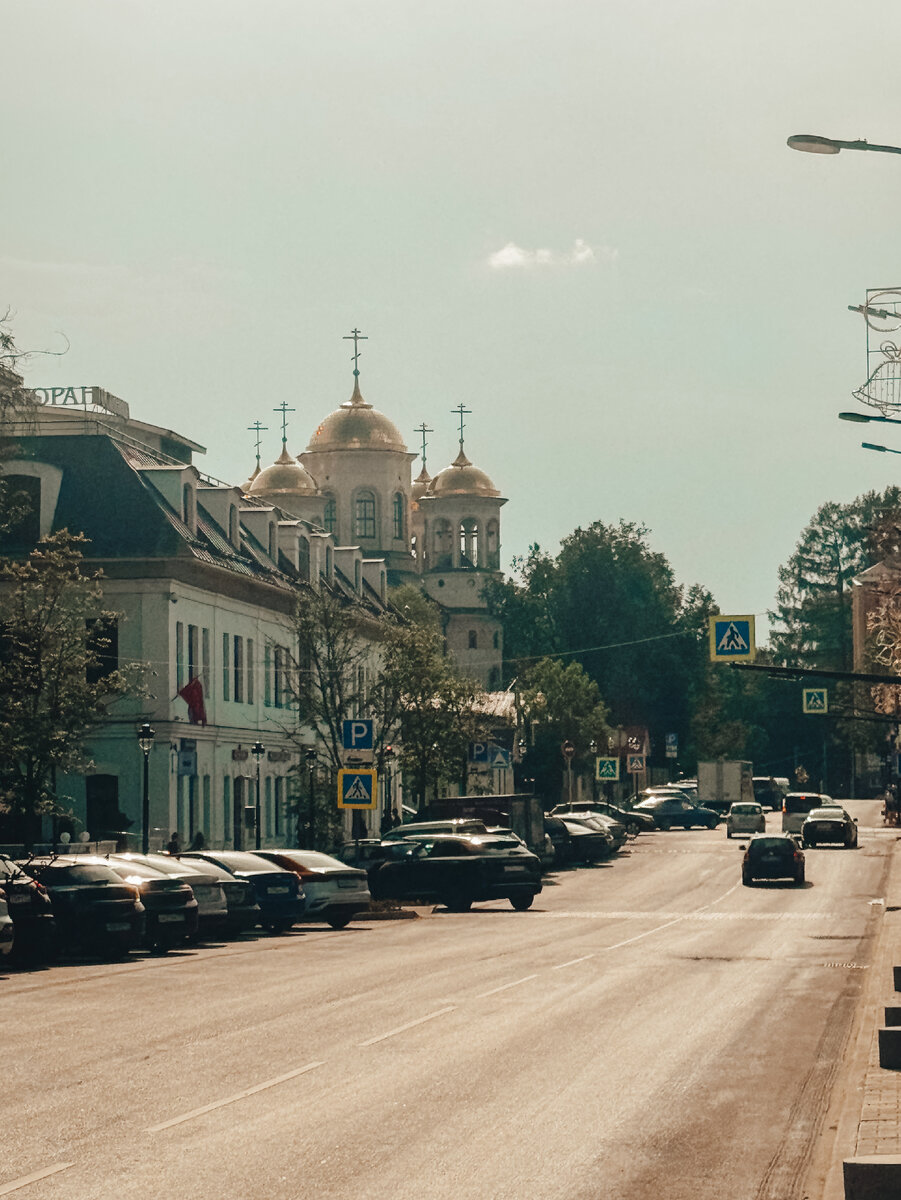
95, 910
670, 811
31, 912
169, 902
588, 844
772, 856
278, 892
635, 822
457, 871
825, 825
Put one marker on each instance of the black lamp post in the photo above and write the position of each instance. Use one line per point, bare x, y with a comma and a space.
145, 741
388, 758
257, 750
311, 768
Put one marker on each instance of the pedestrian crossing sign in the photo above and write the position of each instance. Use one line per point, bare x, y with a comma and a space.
731, 638
357, 788
816, 700
635, 764
606, 768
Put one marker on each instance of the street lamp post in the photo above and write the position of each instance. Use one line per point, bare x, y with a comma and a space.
593, 748
813, 143
145, 741
880, 449
568, 751
388, 759
865, 418
311, 798
257, 750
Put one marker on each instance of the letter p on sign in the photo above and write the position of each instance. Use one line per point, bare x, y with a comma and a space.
357, 734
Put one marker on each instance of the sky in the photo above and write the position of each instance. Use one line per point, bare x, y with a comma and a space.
578, 218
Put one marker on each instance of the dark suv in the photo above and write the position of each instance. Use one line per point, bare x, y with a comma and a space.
94, 909
457, 871
30, 910
772, 856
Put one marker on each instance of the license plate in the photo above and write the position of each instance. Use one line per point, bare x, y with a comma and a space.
770, 858
514, 870
171, 917
117, 927
348, 883
19, 898
277, 891
823, 828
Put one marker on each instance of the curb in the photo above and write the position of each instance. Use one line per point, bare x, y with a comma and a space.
392, 914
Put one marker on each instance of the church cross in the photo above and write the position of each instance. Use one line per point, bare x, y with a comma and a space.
257, 428
423, 429
356, 337
463, 412
284, 410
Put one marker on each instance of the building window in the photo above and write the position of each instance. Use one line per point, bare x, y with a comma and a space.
442, 537
267, 675
358, 576
469, 543
473, 640
273, 541
329, 563
206, 818
279, 673
364, 515
303, 557
238, 662
193, 652
250, 669
228, 814
226, 667
492, 548
179, 656
330, 515
267, 805
279, 802
205, 660
398, 513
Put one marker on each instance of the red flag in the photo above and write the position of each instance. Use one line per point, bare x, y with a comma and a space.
192, 694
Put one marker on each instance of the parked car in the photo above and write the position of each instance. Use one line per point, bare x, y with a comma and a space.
95, 910
772, 856
334, 892
7, 932
169, 904
824, 825
242, 911
364, 852
561, 840
588, 844
797, 805
212, 907
596, 820
30, 910
457, 871
278, 892
669, 810
634, 820
455, 825
744, 817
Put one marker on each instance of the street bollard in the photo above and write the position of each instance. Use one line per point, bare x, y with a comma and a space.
890, 1047
872, 1177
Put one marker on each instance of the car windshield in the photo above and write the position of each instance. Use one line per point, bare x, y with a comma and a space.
82, 873
180, 867
766, 845
134, 870
747, 809
483, 845
826, 814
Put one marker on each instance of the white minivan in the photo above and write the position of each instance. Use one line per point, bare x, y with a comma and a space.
796, 806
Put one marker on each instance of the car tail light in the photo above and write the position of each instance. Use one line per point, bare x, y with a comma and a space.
747, 856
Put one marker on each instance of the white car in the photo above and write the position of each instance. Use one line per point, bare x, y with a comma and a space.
335, 892
6, 927
745, 817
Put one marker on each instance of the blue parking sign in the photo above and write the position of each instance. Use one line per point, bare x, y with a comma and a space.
357, 733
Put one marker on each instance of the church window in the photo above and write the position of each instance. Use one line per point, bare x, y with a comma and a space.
303, 557
398, 509
330, 516
492, 548
473, 640
364, 515
442, 543
469, 543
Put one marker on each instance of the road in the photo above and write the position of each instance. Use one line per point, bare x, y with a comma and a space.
650, 1028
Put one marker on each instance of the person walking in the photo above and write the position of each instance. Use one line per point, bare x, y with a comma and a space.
173, 846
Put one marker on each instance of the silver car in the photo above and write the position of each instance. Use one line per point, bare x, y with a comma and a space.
745, 817
335, 892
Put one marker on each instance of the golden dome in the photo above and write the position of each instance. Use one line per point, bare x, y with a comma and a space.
286, 477
461, 478
356, 425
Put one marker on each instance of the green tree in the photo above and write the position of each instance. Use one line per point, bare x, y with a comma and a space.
54, 688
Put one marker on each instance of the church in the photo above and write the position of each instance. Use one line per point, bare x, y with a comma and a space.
355, 480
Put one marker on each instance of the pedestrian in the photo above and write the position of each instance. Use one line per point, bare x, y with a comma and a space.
173, 846
395, 818
198, 841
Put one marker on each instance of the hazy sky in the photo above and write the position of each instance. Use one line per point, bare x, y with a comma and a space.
579, 218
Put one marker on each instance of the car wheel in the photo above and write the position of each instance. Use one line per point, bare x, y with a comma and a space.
728, 833
664, 826
521, 903
633, 829
339, 922
279, 926
746, 879
458, 903
799, 878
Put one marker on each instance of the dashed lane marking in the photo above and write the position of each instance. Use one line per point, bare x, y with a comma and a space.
409, 1025
572, 962
692, 916
6, 1188
251, 1091
504, 986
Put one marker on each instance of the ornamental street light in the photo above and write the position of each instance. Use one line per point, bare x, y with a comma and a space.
387, 819
813, 143
864, 418
880, 449
257, 750
145, 741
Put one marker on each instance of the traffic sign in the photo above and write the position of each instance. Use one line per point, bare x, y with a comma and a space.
357, 733
489, 754
731, 638
357, 788
606, 768
816, 700
568, 750
635, 764
672, 745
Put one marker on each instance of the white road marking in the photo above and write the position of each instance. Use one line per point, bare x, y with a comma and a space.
504, 986
6, 1188
251, 1091
572, 962
409, 1025
693, 916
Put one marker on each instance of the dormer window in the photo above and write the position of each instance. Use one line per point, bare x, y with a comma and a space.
234, 526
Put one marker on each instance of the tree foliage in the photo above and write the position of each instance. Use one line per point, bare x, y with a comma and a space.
54, 690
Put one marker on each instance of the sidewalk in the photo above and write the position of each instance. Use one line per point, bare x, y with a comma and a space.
870, 1106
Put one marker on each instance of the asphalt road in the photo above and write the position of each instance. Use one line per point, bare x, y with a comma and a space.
649, 1029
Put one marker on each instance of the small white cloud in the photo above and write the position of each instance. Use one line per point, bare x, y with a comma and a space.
512, 256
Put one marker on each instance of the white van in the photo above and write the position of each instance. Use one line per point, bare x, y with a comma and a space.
796, 806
